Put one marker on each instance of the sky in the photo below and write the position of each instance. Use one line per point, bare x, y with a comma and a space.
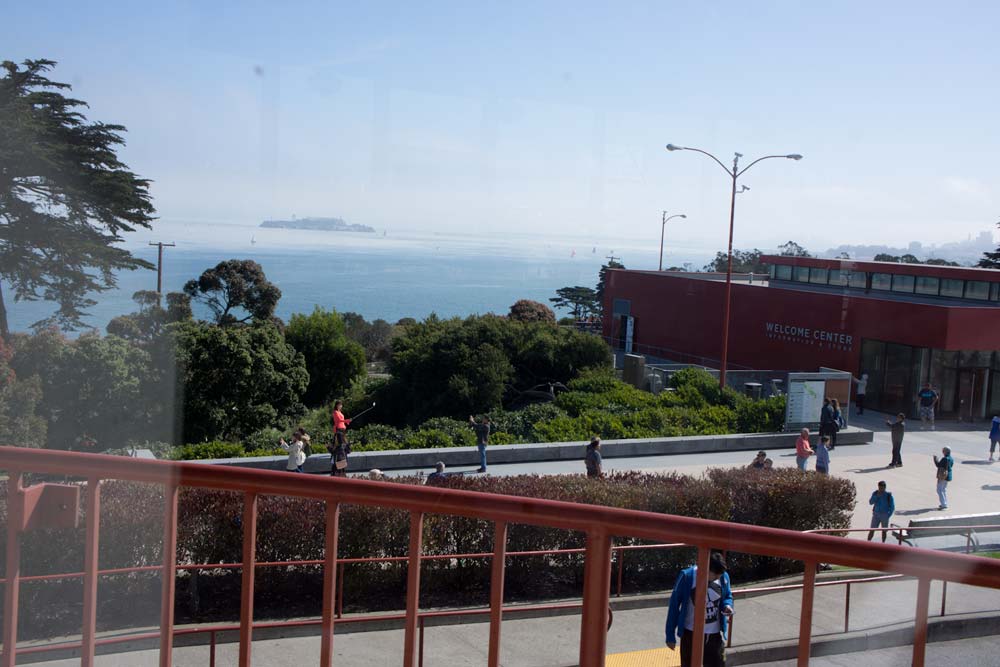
547, 117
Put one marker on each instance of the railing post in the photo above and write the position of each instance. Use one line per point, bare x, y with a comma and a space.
413, 589
497, 569
700, 602
944, 595
621, 570
15, 519
847, 607
331, 581
249, 570
920, 625
340, 591
90, 567
806, 615
169, 575
596, 597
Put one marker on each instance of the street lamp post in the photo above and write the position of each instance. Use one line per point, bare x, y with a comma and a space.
733, 174
663, 226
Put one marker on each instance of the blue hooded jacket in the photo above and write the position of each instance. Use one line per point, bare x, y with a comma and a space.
680, 599
995, 429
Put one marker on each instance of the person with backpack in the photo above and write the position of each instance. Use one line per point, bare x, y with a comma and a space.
827, 419
883, 507
718, 611
898, 429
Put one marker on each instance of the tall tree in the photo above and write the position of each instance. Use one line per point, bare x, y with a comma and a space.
332, 359
581, 301
744, 261
236, 291
602, 277
526, 310
66, 200
792, 249
147, 324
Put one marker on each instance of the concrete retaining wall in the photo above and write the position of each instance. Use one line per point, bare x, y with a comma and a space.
549, 451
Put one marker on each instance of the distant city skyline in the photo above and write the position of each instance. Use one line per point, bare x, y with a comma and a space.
551, 117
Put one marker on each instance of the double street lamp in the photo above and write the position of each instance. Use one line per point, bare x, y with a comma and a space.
663, 226
734, 174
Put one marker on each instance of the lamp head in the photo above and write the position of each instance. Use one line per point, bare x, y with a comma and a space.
682, 216
794, 156
672, 147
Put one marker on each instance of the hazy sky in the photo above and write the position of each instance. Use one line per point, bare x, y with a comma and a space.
547, 116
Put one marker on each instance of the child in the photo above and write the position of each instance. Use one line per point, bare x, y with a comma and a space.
823, 456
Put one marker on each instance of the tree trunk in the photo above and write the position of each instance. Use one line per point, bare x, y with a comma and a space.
4, 329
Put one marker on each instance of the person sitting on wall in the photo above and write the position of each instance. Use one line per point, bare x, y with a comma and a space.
438, 473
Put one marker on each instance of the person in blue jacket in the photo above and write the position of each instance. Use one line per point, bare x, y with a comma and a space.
718, 610
994, 436
944, 466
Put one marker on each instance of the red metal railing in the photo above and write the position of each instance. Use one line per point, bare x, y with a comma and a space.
599, 524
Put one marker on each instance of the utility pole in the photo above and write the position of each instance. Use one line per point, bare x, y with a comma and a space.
160, 245
611, 258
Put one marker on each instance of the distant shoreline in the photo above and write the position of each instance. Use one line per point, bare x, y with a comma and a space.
318, 224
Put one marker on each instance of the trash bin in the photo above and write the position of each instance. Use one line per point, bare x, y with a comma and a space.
752, 389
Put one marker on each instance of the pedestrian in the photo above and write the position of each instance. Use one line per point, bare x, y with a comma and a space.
296, 455
928, 402
944, 466
898, 428
994, 435
827, 420
438, 473
758, 461
341, 447
768, 464
376, 475
802, 449
859, 395
883, 507
718, 611
482, 430
593, 458
838, 422
823, 455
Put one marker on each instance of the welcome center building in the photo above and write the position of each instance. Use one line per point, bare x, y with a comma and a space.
902, 324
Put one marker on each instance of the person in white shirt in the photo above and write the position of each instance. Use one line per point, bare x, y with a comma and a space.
859, 395
296, 451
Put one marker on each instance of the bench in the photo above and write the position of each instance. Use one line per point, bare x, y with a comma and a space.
964, 524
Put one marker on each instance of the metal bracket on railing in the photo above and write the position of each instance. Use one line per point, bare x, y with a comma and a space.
50, 506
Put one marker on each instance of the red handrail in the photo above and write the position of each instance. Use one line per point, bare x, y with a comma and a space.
598, 523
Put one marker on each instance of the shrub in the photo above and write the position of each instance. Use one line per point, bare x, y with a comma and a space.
209, 531
431, 438
209, 450
520, 424
760, 416
526, 310
458, 431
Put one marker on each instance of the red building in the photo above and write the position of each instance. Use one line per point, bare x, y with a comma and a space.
902, 324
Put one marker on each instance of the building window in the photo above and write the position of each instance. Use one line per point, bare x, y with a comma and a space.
882, 281
839, 277
818, 276
995, 296
801, 274
929, 286
902, 284
859, 279
977, 289
782, 272
952, 288
770, 272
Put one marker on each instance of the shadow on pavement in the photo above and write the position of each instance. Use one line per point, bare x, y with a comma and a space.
977, 463
991, 487
865, 471
925, 510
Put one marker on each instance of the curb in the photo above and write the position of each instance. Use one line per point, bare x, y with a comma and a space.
949, 628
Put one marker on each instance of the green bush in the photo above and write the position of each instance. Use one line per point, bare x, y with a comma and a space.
767, 415
209, 450
520, 424
459, 431
431, 438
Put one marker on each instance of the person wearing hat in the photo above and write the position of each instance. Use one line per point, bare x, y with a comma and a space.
295, 449
994, 436
592, 459
758, 461
718, 611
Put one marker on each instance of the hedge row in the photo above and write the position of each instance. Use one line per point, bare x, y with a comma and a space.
596, 403
209, 531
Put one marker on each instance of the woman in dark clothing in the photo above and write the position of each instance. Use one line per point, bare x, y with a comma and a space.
898, 429
593, 458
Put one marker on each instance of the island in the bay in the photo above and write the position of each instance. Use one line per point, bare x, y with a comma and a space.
318, 224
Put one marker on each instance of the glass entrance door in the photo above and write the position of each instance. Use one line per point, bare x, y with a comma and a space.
972, 384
